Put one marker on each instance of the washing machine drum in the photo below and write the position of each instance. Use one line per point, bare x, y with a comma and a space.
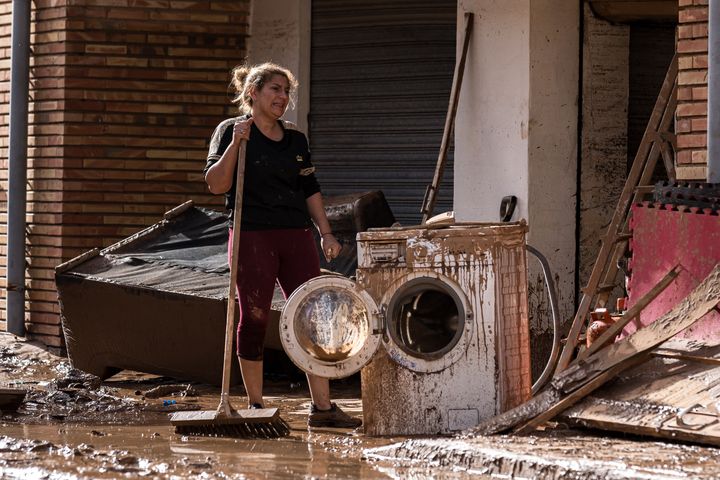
331, 328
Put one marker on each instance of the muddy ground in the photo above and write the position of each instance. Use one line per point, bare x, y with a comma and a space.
73, 426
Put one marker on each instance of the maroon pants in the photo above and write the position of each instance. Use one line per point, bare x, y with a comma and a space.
288, 256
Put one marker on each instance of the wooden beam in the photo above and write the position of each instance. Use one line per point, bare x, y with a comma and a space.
580, 393
685, 357
632, 312
692, 308
626, 11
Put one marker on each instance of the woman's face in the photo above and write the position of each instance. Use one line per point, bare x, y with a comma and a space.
273, 98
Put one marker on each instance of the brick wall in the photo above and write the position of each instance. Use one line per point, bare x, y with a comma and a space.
125, 94
691, 114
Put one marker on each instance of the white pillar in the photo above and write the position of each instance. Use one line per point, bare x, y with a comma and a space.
516, 133
491, 127
280, 33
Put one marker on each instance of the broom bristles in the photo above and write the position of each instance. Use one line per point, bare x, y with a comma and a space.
256, 423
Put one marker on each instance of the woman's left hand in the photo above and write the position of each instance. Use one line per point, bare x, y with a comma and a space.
330, 246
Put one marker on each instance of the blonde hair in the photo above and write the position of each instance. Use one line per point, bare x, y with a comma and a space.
246, 77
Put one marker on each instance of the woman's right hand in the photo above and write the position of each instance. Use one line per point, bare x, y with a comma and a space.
220, 176
241, 130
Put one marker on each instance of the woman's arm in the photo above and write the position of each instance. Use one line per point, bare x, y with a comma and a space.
220, 176
331, 247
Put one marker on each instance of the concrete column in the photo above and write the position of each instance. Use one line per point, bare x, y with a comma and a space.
280, 33
516, 134
491, 127
553, 158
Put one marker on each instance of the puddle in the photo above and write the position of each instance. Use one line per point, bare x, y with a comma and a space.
72, 426
87, 451
133, 437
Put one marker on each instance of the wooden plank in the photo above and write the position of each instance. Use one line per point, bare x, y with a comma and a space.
632, 312
626, 11
620, 354
665, 398
668, 160
74, 262
686, 358
515, 416
582, 392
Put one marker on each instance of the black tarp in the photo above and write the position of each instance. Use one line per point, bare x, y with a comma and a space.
156, 301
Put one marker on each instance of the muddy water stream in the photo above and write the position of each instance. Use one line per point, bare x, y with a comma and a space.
70, 451
72, 426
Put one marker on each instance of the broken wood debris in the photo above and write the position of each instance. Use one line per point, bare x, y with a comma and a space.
589, 374
662, 353
674, 395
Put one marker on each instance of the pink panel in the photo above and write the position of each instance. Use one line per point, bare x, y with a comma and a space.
663, 237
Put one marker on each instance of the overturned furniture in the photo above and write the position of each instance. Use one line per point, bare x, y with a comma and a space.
156, 301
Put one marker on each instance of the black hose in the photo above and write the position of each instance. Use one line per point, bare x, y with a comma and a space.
555, 352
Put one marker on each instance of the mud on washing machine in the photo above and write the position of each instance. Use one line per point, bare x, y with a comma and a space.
448, 305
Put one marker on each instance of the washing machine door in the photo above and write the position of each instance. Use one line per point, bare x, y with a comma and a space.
429, 321
329, 327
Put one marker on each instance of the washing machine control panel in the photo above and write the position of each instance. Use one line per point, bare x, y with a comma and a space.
384, 253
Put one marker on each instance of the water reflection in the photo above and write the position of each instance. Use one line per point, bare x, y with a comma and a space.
72, 451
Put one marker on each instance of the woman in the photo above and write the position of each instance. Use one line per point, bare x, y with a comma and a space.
281, 201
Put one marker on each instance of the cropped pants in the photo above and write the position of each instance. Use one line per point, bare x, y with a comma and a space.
288, 256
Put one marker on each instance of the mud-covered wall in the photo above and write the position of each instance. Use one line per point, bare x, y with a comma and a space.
552, 164
604, 134
124, 95
280, 33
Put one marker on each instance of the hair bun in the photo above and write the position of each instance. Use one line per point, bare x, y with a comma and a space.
239, 75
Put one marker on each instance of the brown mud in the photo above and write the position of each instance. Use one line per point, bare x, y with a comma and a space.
561, 454
72, 426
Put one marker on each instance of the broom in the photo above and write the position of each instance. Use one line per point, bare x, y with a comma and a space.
225, 421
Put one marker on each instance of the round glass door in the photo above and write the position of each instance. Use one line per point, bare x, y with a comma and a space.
428, 321
328, 327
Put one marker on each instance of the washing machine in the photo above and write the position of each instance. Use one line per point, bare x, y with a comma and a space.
436, 318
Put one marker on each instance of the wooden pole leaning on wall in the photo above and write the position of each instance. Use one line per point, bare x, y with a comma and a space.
428, 204
614, 243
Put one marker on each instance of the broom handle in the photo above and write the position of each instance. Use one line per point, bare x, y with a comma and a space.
225, 406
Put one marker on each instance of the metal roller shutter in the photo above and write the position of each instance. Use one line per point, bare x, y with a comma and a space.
381, 73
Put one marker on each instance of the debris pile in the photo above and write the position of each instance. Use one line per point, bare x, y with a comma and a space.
78, 396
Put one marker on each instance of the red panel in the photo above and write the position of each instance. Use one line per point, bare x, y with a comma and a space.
663, 237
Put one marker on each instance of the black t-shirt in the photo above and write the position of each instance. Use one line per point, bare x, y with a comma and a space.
278, 178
